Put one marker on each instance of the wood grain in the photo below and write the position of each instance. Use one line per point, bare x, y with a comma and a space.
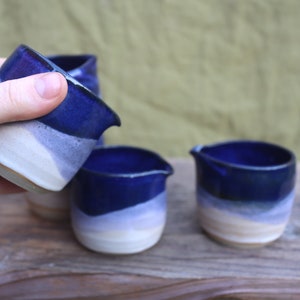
42, 260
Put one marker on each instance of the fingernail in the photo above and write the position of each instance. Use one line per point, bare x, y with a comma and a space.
48, 86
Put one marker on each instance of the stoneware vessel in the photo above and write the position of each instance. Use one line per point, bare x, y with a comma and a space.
56, 205
45, 153
245, 191
119, 200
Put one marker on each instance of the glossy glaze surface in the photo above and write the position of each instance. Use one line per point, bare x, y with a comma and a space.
83, 68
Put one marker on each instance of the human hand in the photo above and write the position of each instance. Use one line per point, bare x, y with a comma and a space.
28, 98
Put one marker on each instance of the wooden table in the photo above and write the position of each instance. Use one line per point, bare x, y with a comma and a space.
42, 260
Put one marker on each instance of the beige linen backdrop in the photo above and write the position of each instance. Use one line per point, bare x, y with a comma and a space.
178, 73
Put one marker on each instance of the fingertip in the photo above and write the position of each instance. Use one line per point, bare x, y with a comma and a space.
51, 86
31, 97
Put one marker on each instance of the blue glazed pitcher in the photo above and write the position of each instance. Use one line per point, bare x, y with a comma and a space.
119, 199
245, 191
45, 153
56, 205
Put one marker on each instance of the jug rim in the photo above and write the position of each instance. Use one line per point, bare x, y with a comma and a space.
197, 149
168, 171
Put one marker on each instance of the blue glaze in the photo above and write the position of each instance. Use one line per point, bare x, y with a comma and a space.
118, 177
83, 68
245, 170
94, 116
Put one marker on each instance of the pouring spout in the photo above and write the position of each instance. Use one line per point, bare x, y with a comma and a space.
108, 119
167, 169
196, 149
114, 119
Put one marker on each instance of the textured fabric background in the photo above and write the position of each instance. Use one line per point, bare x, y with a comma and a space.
178, 72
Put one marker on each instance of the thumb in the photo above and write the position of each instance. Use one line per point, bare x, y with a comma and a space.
31, 97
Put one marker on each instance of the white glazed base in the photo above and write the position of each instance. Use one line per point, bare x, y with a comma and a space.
20, 180
119, 242
53, 206
38, 158
243, 225
127, 231
235, 231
